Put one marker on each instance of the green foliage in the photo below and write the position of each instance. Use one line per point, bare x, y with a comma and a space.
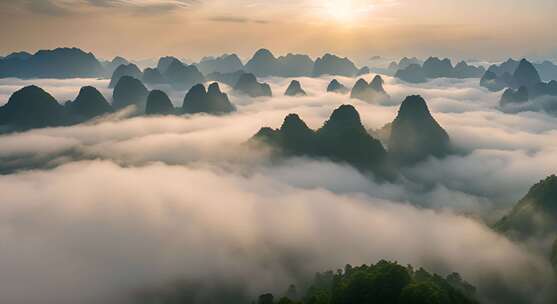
385, 283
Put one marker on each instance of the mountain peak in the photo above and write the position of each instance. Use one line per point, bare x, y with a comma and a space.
415, 134
526, 74
344, 115
295, 89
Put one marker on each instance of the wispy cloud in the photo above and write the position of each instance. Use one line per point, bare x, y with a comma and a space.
236, 19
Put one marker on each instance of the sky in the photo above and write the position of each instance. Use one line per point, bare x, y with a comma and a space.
140, 29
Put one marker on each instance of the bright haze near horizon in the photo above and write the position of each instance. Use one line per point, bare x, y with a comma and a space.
141, 29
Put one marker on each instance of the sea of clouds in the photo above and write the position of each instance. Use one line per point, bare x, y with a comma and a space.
93, 213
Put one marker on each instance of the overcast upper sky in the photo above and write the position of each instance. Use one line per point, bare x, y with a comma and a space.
480, 29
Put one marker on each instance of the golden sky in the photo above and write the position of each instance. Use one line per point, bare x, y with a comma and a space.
488, 29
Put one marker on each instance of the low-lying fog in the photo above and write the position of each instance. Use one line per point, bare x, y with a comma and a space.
92, 213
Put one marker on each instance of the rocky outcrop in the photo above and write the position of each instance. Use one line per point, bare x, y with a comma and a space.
295, 89
415, 134
158, 103
248, 85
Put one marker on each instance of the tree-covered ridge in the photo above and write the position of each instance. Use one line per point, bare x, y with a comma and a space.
382, 283
535, 214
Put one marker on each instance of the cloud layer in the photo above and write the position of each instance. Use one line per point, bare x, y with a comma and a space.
119, 206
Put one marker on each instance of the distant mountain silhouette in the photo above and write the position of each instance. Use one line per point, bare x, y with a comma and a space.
212, 101
230, 79
295, 89
547, 70
158, 103
412, 73
525, 89
129, 91
492, 82
342, 138
525, 75
337, 87
434, 67
165, 62
223, 64
333, 65
295, 65
247, 84
182, 77
415, 135
499, 77
371, 92
363, 71
402, 64
32, 107
57, 63
88, 104
464, 70
124, 70
263, 64
117, 61
153, 76
535, 214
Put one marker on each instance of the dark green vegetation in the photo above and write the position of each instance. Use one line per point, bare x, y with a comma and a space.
535, 215
382, 283
370, 92
295, 89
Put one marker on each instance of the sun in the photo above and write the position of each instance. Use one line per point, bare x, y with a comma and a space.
346, 11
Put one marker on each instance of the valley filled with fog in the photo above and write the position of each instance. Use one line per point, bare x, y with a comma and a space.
123, 205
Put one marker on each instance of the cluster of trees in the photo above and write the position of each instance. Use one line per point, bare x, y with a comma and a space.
382, 283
